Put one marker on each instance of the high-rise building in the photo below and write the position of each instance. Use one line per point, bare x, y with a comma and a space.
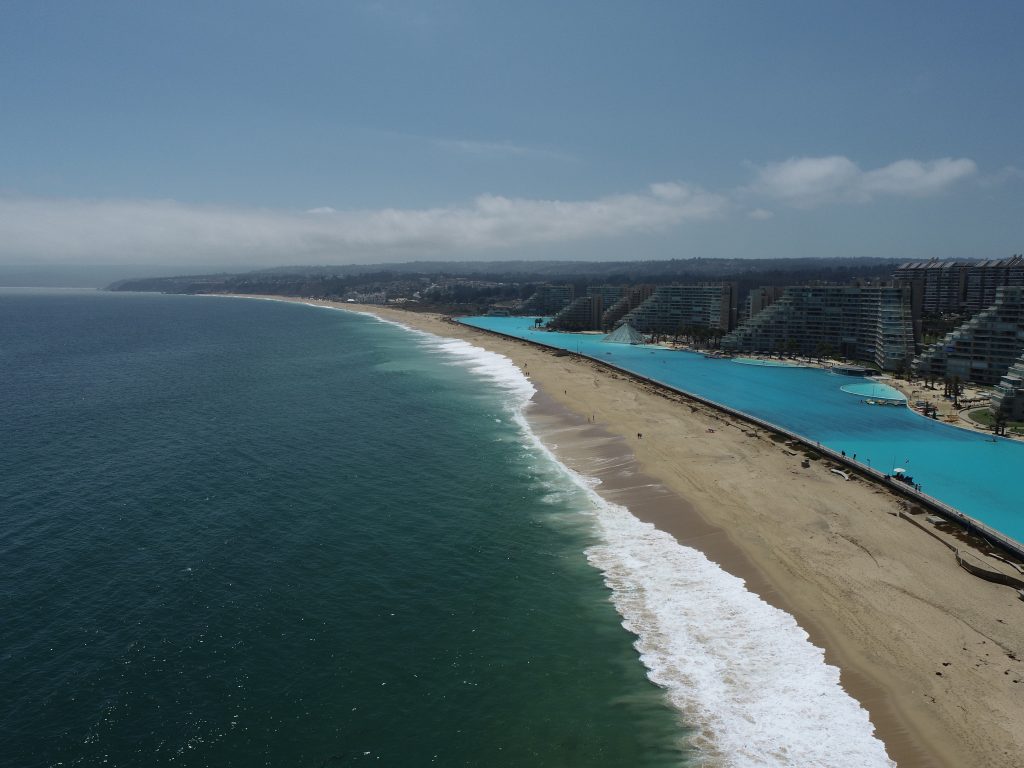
585, 312
674, 308
758, 299
984, 277
1008, 399
633, 297
957, 287
861, 322
548, 300
939, 287
982, 349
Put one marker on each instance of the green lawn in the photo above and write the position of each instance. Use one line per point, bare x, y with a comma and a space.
984, 417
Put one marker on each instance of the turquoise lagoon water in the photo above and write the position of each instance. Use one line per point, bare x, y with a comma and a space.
766, 363
968, 470
874, 389
241, 533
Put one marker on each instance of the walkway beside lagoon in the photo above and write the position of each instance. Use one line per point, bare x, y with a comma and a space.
963, 469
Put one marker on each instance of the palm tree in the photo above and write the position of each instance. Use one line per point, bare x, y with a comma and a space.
999, 422
957, 389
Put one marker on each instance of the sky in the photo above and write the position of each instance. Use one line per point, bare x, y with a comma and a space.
229, 135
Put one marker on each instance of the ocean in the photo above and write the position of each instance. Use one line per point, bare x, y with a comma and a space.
240, 533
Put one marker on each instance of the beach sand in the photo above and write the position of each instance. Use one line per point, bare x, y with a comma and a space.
933, 653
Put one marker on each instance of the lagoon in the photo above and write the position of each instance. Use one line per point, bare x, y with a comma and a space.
972, 471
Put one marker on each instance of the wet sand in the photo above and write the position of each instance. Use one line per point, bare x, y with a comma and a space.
933, 653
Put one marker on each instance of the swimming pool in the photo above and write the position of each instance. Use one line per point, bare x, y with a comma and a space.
875, 390
766, 363
972, 471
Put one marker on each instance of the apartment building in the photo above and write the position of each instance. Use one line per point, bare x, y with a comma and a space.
758, 299
957, 287
585, 313
982, 349
861, 322
939, 287
672, 308
983, 278
632, 298
548, 300
1009, 395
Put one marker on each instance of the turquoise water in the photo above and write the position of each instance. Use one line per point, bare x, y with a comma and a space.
766, 363
968, 470
874, 389
241, 533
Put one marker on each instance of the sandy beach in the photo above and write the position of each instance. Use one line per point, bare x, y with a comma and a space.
933, 653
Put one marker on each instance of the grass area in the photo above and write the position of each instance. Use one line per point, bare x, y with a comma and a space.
984, 417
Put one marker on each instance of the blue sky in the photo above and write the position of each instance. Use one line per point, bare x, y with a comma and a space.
257, 133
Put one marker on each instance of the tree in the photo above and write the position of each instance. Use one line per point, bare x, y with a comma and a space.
956, 389
999, 422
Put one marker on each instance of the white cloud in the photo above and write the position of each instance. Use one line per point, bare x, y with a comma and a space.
914, 178
133, 231
809, 181
805, 178
165, 232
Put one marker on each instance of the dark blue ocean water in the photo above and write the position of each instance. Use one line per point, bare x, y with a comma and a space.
968, 470
239, 533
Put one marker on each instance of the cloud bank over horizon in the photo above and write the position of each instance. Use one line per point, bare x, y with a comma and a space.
43, 230
807, 182
35, 229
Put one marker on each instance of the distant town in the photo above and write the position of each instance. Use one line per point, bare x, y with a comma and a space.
957, 323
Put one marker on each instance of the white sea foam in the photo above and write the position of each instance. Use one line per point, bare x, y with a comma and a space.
497, 369
743, 673
742, 670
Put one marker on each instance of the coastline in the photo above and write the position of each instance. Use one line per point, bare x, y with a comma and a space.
922, 645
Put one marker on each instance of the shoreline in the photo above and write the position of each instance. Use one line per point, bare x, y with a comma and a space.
907, 627
985, 535
916, 390
625, 483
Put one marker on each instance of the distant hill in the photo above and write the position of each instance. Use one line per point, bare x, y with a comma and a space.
335, 280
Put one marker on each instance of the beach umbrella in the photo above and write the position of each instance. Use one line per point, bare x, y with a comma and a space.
899, 471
